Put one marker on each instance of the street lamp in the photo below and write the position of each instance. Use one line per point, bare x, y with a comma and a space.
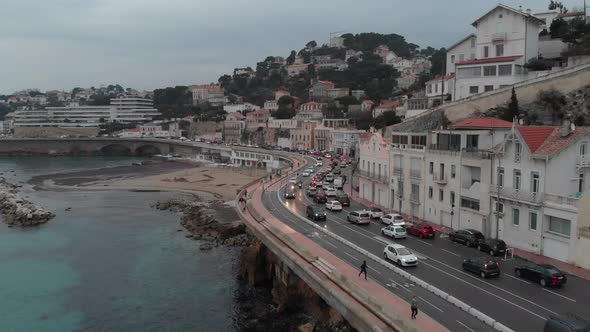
452, 213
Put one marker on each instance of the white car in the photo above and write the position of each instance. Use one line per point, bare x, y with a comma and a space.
326, 186
400, 254
305, 174
293, 180
334, 206
396, 232
393, 219
375, 212
331, 192
319, 163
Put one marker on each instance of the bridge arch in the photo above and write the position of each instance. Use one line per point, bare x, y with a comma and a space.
115, 150
147, 150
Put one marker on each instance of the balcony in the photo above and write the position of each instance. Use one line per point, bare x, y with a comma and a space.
517, 195
383, 178
439, 178
415, 147
583, 161
416, 174
398, 172
498, 37
415, 199
562, 200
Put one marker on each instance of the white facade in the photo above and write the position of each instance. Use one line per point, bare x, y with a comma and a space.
282, 123
463, 50
271, 105
345, 141
373, 170
239, 107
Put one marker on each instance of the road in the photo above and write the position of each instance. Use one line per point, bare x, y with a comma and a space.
516, 303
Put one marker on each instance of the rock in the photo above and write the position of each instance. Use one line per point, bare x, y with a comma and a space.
19, 211
206, 246
307, 327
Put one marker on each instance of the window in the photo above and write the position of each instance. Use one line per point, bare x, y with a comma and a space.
452, 199
500, 177
499, 207
515, 217
488, 88
472, 142
500, 50
452, 59
489, 70
559, 226
486, 51
473, 89
441, 195
364, 164
583, 148
461, 57
533, 221
436, 88
472, 57
453, 171
429, 88
517, 151
430, 192
516, 180
534, 182
472, 42
469, 72
581, 183
470, 204
505, 70
442, 170
431, 168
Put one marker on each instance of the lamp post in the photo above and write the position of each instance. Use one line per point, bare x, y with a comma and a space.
452, 213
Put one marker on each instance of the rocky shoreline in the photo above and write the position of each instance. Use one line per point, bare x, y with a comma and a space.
19, 211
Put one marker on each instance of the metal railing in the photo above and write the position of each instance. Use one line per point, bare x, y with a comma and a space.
517, 194
563, 200
415, 199
584, 161
398, 171
439, 178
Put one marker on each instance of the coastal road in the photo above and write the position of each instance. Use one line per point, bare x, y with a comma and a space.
516, 303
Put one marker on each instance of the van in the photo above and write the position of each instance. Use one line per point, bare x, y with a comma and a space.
338, 183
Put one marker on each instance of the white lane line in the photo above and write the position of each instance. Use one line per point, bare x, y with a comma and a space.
424, 242
333, 245
450, 252
465, 326
351, 256
400, 285
374, 270
435, 307
565, 297
381, 240
515, 278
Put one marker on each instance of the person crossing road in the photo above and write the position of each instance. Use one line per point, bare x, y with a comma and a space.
364, 269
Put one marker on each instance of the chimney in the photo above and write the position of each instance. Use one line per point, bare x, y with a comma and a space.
528, 11
566, 128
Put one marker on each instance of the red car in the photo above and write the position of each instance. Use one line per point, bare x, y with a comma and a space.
421, 230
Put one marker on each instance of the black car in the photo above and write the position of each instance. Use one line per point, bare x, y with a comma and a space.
315, 213
468, 237
343, 199
483, 266
492, 246
290, 192
544, 274
320, 197
310, 192
569, 323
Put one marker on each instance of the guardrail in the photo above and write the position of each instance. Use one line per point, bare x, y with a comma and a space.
436, 291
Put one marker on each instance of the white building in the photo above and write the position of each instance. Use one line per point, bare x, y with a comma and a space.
208, 93
346, 141
271, 105
239, 107
438, 88
373, 169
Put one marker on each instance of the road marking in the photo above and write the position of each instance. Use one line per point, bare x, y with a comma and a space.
351, 256
381, 240
565, 297
526, 282
333, 245
424, 242
435, 307
450, 252
465, 326
374, 270
400, 285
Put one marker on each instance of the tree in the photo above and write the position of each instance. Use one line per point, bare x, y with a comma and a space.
225, 81
285, 112
286, 101
439, 61
553, 102
347, 101
538, 64
361, 120
512, 110
311, 44
557, 5
386, 119
291, 57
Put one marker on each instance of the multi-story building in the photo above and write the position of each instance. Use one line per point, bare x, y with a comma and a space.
345, 141
208, 93
233, 127
385, 107
239, 107
323, 138
367, 105
312, 106
319, 90
130, 109
335, 123
271, 105
257, 119
439, 89
282, 123
505, 40
303, 137
373, 169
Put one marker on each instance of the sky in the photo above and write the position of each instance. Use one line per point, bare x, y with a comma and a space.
148, 44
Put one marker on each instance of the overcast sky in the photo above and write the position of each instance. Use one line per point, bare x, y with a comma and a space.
147, 44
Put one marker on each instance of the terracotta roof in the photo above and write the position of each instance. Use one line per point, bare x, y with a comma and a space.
259, 111
368, 101
447, 77
572, 14
490, 60
382, 54
535, 136
236, 115
390, 104
365, 135
483, 123
326, 82
555, 143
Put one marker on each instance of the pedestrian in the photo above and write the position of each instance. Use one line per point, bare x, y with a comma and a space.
364, 269
271, 177
414, 307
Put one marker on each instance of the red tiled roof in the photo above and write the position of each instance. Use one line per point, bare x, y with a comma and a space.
259, 111
535, 136
326, 82
368, 101
447, 77
489, 60
572, 14
390, 104
483, 123
365, 135
188, 117
236, 115
555, 143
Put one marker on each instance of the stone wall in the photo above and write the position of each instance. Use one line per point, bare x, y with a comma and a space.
53, 132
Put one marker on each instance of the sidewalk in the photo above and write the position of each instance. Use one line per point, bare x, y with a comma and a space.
565, 267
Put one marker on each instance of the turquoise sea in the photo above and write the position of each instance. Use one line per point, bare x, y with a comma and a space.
111, 263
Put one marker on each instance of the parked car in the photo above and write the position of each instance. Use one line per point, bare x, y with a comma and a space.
319, 163
483, 266
315, 213
359, 217
376, 213
469, 237
320, 196
396, 232
312, 185
421, 230
492, 246
544, 274
392, 219
290, 192
568, 323
400, 254
343, 199
310, 192
331, 192
333, 206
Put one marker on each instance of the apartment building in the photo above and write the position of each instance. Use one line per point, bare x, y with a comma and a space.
208, 93
303, 137
257, 119
233, 127
346, 141
373, 169
323, 138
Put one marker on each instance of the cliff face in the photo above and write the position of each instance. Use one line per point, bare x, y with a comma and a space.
292, 305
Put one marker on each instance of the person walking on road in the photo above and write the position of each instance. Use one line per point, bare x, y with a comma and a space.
364, 269
414, 307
